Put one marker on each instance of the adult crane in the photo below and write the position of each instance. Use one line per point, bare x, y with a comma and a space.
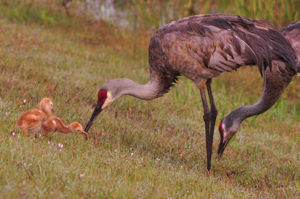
275, 82
202, 47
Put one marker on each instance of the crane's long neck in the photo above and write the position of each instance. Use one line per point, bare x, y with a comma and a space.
244, 112
129, 87
275, 82
145, 92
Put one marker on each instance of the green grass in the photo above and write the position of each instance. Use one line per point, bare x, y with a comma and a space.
147, 149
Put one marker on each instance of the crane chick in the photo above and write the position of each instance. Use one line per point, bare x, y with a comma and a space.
53, 124
31, 121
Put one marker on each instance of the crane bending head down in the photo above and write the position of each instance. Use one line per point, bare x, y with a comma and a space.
274, 84
205, 46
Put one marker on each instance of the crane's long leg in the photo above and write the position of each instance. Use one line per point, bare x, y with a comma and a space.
207, 120
213, 112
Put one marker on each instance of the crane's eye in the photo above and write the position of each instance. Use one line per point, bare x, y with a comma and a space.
221, 131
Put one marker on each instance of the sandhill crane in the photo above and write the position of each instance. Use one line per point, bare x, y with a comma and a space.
275, 82
30, 122
53, 124
202, 47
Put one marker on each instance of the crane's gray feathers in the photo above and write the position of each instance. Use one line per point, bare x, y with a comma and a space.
205, 46
161, 70
292, 35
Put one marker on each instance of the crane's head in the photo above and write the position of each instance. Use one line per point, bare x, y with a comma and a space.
108, 93
105, 98
227, 130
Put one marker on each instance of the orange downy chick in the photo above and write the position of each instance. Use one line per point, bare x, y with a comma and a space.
53, 124
31, 121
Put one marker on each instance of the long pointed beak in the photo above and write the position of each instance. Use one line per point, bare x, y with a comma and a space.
96, 112
52, 110
222, 147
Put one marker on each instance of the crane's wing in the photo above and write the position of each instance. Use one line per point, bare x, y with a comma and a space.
292, 35
224, 42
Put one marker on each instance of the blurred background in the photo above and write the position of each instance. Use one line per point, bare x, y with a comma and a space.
144, 16
150, 14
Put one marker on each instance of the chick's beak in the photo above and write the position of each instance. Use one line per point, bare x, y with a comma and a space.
52, 110
85, 134
96, 112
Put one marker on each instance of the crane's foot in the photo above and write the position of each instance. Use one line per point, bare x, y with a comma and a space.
209, 172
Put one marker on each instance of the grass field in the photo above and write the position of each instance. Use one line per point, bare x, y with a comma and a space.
137, 149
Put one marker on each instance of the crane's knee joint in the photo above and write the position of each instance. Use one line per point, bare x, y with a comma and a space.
207, 116
214, 113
